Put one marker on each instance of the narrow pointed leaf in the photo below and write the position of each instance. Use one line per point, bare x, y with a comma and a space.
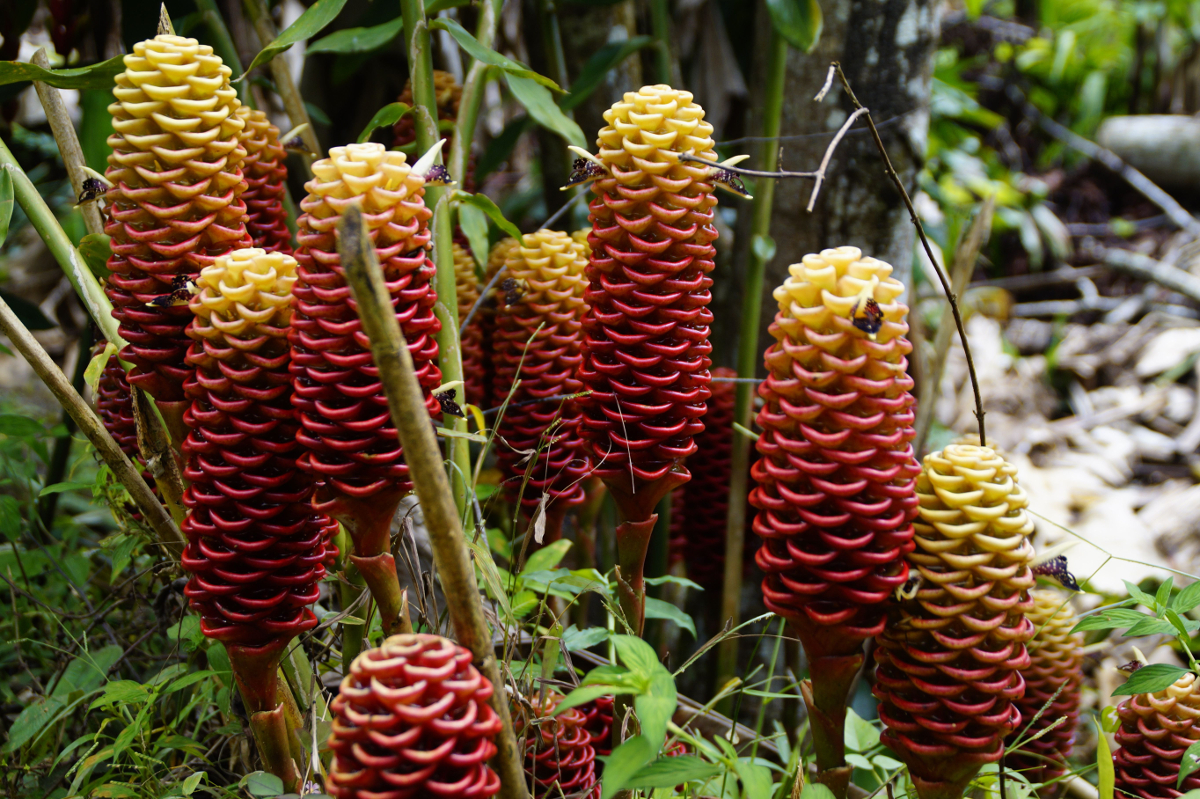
541, 106
489, 56
96, 76
798, 21
390, 114
599, 65
311, 22
358, 40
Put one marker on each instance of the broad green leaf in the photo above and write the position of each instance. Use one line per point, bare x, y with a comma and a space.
656, 706
260, 783
610, 675
357, 40
32, 720
189, 785
626, 761
1104, 766
581, 696
547, 557
523, 603
858, 761
575, 639
1163, 594
1138, 594
95, 249
6, 203
95, 368
667, 772
489, 56
310, 23
860, 734
1150, 626
756, 779
29, 314
474, 226
1187, 599
490, 208
1150, 679
121, 553
10, 517
670, 578
96, 76
815, 790
1110, 620
797, 21
189, 679
187, 632
58, 488
1190, 762
541, 106
598, 66
121, 692
88, 671
658, 609
637, 655
387, 116
1182, 625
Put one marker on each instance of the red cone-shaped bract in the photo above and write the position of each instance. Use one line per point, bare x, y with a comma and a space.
599, 723
114, 405
1156, 730
479, 337
412, 721
559, 756
265, 168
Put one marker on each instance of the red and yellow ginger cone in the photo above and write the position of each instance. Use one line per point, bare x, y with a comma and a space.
114, 406
538, 342
559, 757
1056, 662
175, 203
950, 663
479, 337
598, 721
352, 446
646, 332
1156, 730
467, 288
265, 168
255, 543
836, 482
411, 720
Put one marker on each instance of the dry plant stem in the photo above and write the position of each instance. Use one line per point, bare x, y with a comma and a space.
68, 142
747, 365
1145, 268
151, 509
432, 486
293, 103
912, 214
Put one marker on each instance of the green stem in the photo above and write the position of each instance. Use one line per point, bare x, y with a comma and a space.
472, 95
48, 505
749, 358
293, 103
660, 26
223, 46
352, 634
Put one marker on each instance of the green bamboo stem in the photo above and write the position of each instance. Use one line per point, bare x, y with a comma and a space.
472, 95
748, 360
223, 46
420, 68
660, 28
293, 103
450, 555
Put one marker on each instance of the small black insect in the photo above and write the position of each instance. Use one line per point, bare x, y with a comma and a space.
449, 406
583, 171
910, 587
1131, 666
731, 181
513, 291
438, 175
1056, 568
182, 288
93, 189
867, 316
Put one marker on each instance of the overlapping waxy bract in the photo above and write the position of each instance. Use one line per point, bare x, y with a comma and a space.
466, 286
598, 721
255, 544
175, 204
559, 756
1056, 667
538, 342
646, 332
411, 720
835, 484
346, 428
479, 337
265, 169
114, 405
700, 508
950, 664
1156, 730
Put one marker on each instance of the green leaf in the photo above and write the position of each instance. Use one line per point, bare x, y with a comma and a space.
6, 203
490, 208
309, 24
58, 488
29, 314
583, 695
1150, 679
260, 783
626, 761
1187, 599
432, 8
1138, 594
489, 56
387, 116
1104, 766
121, 692
670, 578
815, 790
637, 655
121, 553
1110, 619
667, 772
32, 720
656, 706
548, 557
860, 734
474, 226
95, 249
357, 40
541, 106
187, 632
524, 602
96, 76
599, 65
1190, 762
88, 671
575, 639
317, 115
189, 785
96, 366
658, 609
756, 779
797, 21
611, 675
1163, 594
1150, 626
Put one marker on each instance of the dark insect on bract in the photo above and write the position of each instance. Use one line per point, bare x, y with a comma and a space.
182, 288
583, 171
513, 291
92, 190
731, 181
1131, 666
867, 316
449, 406
1056, 567
438, 175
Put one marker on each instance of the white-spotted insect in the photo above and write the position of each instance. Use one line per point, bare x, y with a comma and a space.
183, 287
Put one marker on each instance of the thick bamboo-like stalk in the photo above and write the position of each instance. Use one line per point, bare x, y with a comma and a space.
129, 476
665, 68
472, 95
424, 458
68, 142
747, 364
293, 103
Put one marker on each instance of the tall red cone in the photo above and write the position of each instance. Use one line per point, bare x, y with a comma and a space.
1156, 731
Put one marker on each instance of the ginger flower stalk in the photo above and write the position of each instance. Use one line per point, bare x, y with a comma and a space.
950, 664
352, 448
265, 168
411, 720
255, 543
175, 202
538, 350
835, 486
479, 337
646, 332
1156, 731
